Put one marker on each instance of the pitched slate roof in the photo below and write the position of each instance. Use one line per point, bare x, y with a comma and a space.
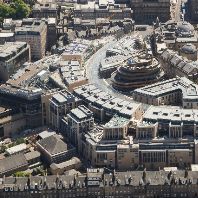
53, 144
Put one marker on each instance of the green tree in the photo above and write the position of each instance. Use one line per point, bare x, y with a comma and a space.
17, 10
3, 148
38, 171
19, 141
21, 174
6, 11
16, 142
21, 9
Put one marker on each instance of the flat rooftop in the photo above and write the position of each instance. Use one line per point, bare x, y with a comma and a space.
6, 34
30, 70
11, 48
117, 121
16, 149
81, 112
30, 25
188, 88
91, 94
59, 97
174, 114
45, 6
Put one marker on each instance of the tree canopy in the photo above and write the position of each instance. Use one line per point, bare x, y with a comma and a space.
16, 10
6, 11
21, 174
16, 142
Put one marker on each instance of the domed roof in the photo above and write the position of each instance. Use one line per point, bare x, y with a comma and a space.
189, 48
184, 28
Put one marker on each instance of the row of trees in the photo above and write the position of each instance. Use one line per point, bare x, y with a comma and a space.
18, 9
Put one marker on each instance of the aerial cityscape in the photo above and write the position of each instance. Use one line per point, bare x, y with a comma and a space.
98, 98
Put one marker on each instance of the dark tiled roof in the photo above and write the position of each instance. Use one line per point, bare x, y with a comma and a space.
53, 145
131, 178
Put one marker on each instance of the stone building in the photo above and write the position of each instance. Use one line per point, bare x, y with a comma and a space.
73, 163
96, 14
60, 105
46, 10
175, 91
78, 121
98, 183
138, 71
146, 11
34, 32
54, 150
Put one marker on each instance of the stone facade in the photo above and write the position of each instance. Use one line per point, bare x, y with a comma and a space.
146, 11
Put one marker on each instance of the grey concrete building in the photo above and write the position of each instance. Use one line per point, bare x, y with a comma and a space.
12, 56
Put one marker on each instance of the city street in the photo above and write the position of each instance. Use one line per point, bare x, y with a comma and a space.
92, 67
